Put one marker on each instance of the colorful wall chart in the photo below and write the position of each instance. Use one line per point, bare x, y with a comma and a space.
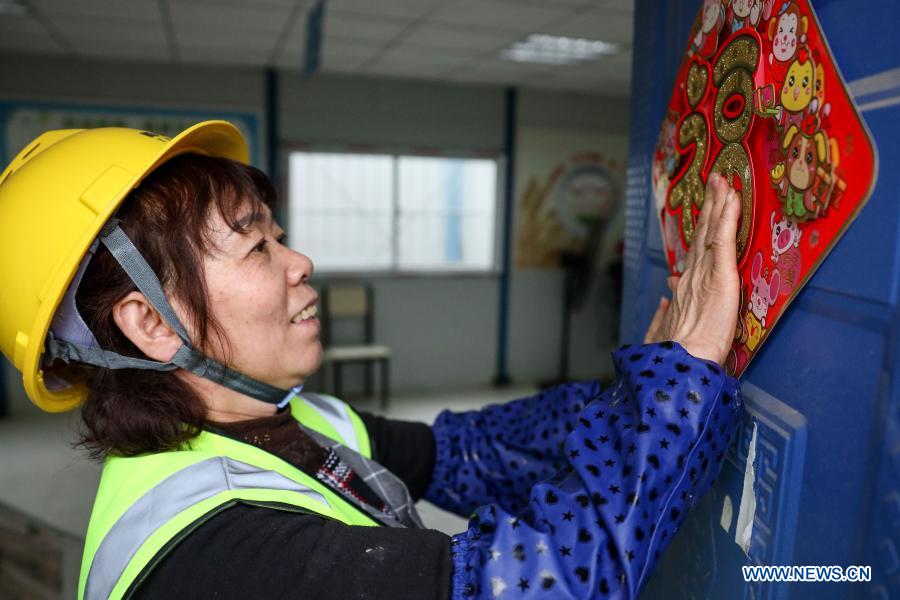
760, 99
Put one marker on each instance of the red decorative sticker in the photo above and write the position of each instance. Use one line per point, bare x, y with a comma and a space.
759, 99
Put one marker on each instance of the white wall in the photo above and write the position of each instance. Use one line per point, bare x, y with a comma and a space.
442, 329
332, 109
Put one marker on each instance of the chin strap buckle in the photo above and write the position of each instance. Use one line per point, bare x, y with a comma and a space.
289, 396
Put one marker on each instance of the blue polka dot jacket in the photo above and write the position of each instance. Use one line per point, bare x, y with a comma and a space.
577, 491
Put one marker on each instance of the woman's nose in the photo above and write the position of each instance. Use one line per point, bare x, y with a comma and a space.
300, 267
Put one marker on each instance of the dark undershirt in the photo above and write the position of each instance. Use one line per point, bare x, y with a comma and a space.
252, 552
280, 435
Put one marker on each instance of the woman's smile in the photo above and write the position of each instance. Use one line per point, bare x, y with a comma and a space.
306, 316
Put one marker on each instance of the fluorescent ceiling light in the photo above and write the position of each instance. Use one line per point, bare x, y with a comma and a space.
13, 7
555, 50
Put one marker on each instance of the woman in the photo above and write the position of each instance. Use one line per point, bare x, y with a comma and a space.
146, 280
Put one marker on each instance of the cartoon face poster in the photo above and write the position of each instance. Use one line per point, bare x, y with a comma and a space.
760, 100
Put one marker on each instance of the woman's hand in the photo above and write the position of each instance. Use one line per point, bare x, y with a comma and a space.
703, 311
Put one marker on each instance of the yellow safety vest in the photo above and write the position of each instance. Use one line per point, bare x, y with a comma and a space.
146, 504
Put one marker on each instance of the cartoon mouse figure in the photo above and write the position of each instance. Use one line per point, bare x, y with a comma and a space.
762, 295
785, 235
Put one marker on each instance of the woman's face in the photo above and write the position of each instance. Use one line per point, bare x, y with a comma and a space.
259, 293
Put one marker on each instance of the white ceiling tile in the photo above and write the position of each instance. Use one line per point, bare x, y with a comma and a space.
247, 4
596, 25
363, 28
337, 52
269, 18
419, 58
297, 30
520, 17
115, 31
451, 40
294, 43
337, 55
450, 36
458, 55
407, 9
144, 10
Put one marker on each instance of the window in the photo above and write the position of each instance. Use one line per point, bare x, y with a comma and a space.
383, 212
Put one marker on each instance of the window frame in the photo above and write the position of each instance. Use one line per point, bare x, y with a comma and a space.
395, 152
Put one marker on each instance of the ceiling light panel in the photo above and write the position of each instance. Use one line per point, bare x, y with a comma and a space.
557, 50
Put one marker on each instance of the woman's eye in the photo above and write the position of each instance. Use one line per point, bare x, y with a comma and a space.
282, 239
261, 246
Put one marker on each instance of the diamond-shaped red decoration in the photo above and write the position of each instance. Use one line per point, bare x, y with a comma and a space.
760, 99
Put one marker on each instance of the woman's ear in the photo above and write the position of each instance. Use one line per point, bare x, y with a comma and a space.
143, 325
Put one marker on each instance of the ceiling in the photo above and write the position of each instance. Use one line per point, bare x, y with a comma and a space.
446, 40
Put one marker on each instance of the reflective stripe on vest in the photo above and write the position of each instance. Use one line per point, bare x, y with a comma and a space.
335, 414
145, 502
166, 500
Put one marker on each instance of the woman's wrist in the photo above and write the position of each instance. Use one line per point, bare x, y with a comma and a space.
702, 349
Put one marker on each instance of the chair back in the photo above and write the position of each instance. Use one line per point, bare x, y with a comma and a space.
347, 301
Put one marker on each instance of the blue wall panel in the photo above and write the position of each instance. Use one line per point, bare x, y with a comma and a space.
822, 394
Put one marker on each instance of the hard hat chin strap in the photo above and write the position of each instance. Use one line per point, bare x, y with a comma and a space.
187, 357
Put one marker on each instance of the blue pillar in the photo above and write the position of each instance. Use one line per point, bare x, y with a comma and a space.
509, 150
272, 137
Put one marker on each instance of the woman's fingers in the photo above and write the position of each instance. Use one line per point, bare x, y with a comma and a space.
725, 245
720, 188
699, 240
704, 304
659, 317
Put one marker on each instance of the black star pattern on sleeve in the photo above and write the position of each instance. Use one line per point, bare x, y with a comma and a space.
575, 515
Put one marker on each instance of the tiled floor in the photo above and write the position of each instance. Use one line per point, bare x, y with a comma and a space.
43, 476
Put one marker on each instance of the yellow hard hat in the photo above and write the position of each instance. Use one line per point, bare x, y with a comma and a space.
55, 197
